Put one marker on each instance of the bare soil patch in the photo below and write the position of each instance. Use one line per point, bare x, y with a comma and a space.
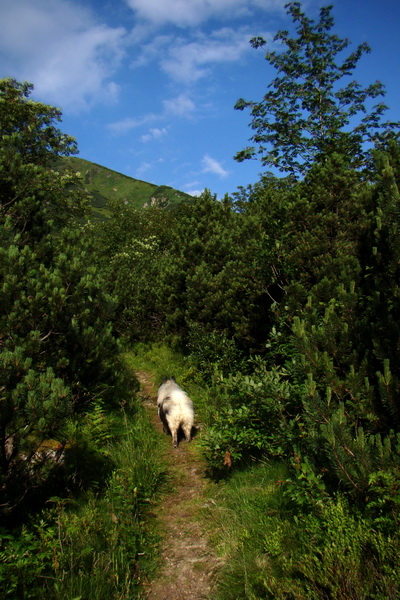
189, 566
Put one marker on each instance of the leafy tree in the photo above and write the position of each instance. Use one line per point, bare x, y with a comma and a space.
29, 128
305, 115
252, 417
34, 197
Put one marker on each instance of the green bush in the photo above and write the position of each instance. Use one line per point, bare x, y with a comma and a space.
334, 553
213, 352
250, 418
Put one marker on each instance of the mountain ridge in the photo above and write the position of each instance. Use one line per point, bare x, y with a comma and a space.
105, 185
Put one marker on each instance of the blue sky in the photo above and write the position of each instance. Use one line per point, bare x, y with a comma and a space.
148, 87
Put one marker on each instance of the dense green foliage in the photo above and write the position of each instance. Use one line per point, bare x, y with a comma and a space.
58, 351
62, 383
186, 273
294, 326
283, 301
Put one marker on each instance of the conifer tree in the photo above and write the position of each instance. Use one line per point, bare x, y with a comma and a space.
211, 275
57, 351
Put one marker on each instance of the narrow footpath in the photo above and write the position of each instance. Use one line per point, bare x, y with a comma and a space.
189, 566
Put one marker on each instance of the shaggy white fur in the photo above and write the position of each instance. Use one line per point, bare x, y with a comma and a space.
167, 386
175, 410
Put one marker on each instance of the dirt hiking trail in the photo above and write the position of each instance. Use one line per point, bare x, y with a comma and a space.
189, 566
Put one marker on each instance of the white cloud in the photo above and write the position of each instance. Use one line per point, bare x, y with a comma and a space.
192, 188
146, 166
154, 134
179, 106
211, 165
60, 47
193, 12
191, 185
188, 61
180, 12
149, 52
71, 55
126, 125
123, 126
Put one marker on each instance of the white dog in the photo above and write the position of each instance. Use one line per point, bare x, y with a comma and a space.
175, 410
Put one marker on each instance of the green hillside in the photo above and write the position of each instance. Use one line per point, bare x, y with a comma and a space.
104, 185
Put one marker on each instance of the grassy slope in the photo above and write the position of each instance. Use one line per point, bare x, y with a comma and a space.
104, 185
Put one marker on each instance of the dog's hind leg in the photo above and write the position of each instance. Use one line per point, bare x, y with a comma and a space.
174, 433
187, 430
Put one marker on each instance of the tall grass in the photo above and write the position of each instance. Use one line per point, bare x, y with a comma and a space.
245, 514
98, 544
106, 546
161, 360
274, 551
